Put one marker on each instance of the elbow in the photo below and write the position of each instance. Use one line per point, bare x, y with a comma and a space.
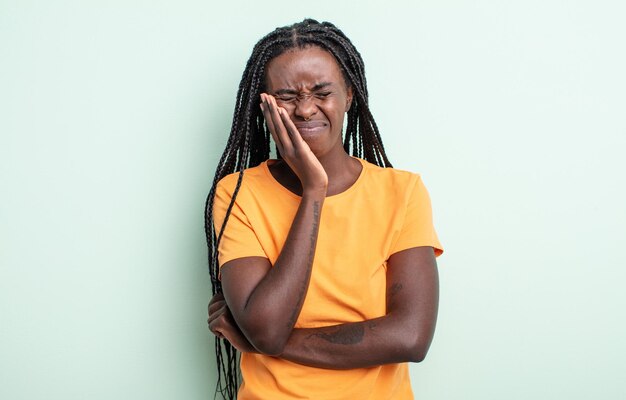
265, 333
269, 346
416, 341
268, 342
416, 350
417, 355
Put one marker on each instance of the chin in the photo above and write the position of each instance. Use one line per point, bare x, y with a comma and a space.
319, 142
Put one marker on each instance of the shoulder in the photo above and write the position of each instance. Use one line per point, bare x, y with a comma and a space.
250, 177
390, 178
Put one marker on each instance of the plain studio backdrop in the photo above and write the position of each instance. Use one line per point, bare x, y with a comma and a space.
113, 115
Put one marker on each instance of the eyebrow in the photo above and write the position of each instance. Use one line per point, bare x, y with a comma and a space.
321, 86
317, 86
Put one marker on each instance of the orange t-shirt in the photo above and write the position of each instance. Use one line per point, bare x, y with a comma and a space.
383, 212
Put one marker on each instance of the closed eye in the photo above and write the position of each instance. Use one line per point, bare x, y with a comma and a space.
322, 95
286, 98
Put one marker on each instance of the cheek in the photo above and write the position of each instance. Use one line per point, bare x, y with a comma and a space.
334, 111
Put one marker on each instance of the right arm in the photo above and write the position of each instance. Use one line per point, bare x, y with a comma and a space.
265, 300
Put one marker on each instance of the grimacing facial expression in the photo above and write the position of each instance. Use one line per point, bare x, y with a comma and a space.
310, 86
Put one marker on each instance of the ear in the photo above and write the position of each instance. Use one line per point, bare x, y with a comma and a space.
348, 98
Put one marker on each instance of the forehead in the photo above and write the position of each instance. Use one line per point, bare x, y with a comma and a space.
299, 68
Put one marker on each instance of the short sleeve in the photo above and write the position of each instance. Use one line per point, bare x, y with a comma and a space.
417, 227
239, 239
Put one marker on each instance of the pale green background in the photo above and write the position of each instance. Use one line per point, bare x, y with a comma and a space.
113, 115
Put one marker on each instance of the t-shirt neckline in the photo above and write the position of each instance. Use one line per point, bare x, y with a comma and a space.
283, 189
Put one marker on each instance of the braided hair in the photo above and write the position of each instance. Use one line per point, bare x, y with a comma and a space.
249, 141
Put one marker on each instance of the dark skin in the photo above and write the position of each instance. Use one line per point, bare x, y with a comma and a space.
304, 110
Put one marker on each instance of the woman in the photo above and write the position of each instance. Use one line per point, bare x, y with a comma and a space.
323, 264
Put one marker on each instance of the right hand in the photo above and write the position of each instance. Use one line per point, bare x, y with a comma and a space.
294, 150
222, 325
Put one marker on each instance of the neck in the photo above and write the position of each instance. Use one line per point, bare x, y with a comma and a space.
341, 168
338, 166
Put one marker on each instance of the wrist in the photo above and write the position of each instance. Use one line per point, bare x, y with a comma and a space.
317, 193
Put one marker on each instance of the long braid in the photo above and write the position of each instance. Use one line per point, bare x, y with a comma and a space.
248, 144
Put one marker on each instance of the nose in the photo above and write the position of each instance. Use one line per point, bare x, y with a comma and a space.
305, 107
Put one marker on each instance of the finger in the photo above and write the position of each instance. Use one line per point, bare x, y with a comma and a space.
216, 300
213, 308
266, 113
270, 127
216, 328
270, 123
217, 297
265, 107
217, 333
279, 129
294, 133
217, 314
279, 126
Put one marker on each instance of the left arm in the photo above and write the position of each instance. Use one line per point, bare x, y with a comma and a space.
403, 334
